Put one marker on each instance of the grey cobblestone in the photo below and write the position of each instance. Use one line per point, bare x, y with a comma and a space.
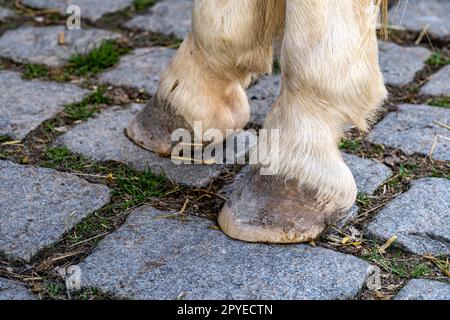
399, 65
90, 9
421, 289
5, 14
11, 290
24, 105
38, 205
140, 69
415, 129
39, 45
421, 13
155, 257
420, 218
369, 174
169, 17
261, 96
439, 85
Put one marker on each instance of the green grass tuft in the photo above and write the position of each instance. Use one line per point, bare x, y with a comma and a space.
276, 67
61, 157
99, 59
54, 290
404, 175
420, 270
363, 199
141, 5
347, 144
440, 102
35, 71
91, 294
397, 265
441, 174
413, 89
88, 107
139, 187
438, 60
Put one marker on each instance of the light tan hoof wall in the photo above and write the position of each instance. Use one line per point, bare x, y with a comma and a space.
264, 209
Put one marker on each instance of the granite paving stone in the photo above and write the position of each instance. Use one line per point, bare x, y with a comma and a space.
439, 85
421, 289
399, 64
140, 69
420, 218
238, 145
415, 129
24, 105
418, 14
155, 257
37, 205
11, 290
261, 97
169, 17
369, 174
5, 13
39, 45
90, 9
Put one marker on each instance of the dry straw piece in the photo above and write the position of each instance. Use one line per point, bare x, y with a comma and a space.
384, 247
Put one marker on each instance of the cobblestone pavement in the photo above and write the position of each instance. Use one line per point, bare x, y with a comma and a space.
74, 191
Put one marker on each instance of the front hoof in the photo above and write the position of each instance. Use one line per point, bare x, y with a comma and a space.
268, 210
152, 128
148, 141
